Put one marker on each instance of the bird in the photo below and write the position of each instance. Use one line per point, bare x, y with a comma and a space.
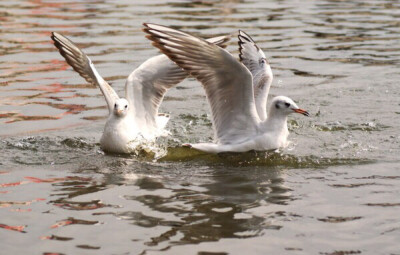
236, 90
134, 118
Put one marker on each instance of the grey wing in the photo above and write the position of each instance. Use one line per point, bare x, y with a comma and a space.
84, 66
254, 59
228, 83
147, 85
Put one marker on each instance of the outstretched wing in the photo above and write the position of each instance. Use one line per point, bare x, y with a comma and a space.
228, 83
147, 85
254, 59
84, 66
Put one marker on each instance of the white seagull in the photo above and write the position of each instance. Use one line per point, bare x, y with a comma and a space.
237, 93
135, 117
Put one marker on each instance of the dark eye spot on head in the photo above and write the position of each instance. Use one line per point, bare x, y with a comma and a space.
115, 105
126, 106
263, 61
277, 106
287, 104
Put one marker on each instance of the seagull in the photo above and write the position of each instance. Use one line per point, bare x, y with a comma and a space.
236, 90
135, 117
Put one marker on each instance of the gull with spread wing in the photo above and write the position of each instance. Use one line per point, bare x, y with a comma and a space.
135, 117
239, 124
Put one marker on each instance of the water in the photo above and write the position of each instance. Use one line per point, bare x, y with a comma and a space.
335, 190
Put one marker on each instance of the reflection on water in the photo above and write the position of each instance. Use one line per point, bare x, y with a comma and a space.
167, 206
60, 194
193, 210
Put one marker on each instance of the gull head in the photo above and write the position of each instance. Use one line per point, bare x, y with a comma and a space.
121, 107
285, 106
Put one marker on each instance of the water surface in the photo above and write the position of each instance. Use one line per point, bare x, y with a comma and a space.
335, 190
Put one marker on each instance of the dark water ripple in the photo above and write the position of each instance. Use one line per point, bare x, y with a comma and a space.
333, 191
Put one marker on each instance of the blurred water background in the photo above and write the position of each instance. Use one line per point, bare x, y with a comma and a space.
335, 190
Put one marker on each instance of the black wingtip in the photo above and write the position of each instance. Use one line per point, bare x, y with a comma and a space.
240, 42
146, 26
243, 35
56, 36
245, 38
53, 36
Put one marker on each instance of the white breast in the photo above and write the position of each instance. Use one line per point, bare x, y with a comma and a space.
118, 132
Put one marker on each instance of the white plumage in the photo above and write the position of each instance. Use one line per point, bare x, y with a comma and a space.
135, 117
236, 91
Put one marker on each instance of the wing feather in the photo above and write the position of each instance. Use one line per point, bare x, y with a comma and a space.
84, 67
147, 85
254, 59
227, 82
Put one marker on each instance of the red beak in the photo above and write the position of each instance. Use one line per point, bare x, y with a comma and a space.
301, 111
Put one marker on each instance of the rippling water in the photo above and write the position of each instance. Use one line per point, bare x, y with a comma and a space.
335, 190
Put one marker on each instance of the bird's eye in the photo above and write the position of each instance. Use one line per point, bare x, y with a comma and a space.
126, 106
287, 104
263, 61
277, 106
115, 105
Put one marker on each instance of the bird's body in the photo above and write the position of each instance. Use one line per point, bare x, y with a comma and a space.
135, 117
271, 133
118, 134
237, 91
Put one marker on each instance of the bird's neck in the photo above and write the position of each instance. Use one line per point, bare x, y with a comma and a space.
275, 122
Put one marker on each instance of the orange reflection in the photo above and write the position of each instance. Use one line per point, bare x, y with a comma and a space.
14, 228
